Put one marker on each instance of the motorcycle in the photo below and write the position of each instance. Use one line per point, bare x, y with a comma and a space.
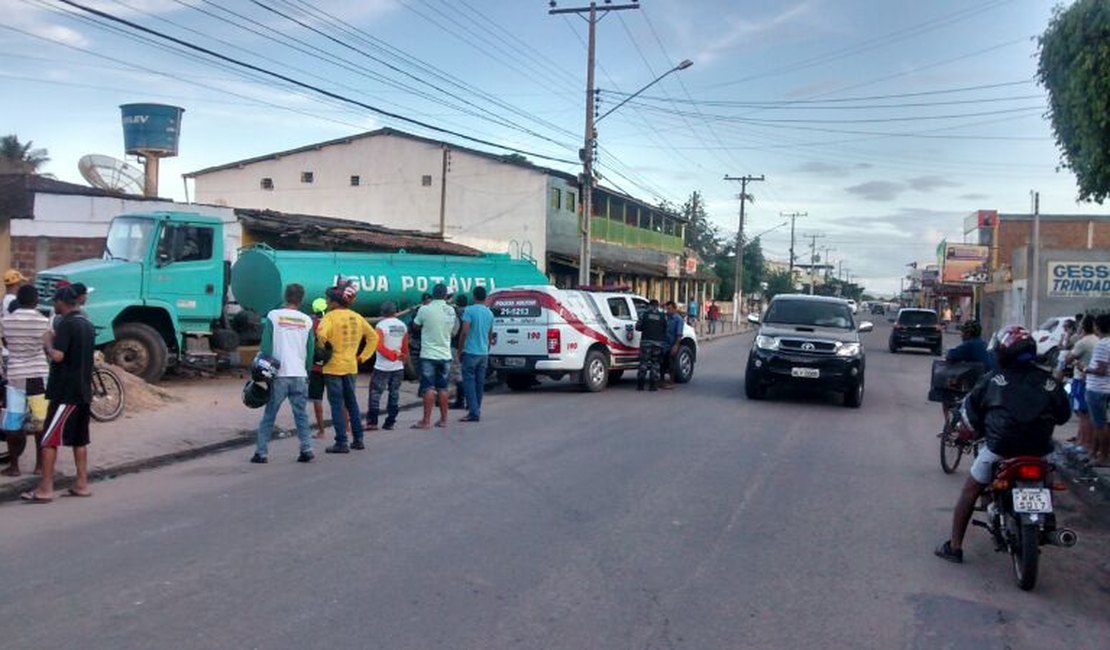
1018, 505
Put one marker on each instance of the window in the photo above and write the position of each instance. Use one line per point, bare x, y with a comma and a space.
355, 180
571, 204
641, 306
917, 317
307, 177
426, 180
266, 183
619, 308
184, 243
810, 313
556, 196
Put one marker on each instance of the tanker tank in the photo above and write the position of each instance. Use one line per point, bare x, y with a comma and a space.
259, 276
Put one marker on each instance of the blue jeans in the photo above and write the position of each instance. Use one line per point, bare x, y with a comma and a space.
474, 381
294, 389
434, 374
341, 398
382, 381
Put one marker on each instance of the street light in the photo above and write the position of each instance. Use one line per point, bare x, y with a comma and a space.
588, 153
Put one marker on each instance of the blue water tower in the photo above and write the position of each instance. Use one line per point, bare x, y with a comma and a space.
151, 131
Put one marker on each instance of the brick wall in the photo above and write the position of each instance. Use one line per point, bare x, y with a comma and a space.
32, 254
1054, 234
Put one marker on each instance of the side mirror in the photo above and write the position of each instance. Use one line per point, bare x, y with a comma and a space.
866, 326
753, 318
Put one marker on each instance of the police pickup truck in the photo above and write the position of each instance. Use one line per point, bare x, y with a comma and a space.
589, 336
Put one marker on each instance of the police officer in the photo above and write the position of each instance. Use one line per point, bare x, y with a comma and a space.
653, 337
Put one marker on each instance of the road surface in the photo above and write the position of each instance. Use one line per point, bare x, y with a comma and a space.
691, 518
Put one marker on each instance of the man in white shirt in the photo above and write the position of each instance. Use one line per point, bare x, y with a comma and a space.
287, 337
389, 367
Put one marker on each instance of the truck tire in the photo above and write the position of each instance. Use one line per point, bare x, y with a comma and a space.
140, 350
615, 376
684, 365
595, 372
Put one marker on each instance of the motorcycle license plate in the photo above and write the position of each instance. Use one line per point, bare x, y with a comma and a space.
805, 373
1032, 500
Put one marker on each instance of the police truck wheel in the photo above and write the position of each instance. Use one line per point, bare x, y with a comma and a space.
615, 376
140, 350
518, 383
684, 365
595, 373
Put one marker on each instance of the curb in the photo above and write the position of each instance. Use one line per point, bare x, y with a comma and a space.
242, 438
1085, 483
708, 338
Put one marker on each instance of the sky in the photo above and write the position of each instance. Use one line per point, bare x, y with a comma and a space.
885, 121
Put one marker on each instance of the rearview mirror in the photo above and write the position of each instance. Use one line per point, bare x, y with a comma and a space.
866, 326
753, 318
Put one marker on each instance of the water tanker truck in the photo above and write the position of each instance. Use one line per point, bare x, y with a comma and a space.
164, 291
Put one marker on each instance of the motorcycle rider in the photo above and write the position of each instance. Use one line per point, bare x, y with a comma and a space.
972, 349
652, 326
1015, 408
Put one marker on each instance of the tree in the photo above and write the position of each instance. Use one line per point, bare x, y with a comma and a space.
702, 236
724, 265
778, 282
16, 157
1074, 66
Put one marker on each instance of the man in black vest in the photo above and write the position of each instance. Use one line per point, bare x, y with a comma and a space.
653, 338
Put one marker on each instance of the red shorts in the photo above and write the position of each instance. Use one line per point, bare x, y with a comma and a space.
66, 424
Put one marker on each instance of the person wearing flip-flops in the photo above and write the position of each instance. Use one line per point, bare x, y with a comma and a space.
24, 330
437, 324
69, 389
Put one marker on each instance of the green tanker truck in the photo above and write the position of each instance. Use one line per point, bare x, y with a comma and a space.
164, 291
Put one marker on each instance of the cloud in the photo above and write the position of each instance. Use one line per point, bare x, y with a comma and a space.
746, 31
877, 190
930, 183
818, 168
974, 196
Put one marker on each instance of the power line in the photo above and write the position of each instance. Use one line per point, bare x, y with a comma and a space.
317, 89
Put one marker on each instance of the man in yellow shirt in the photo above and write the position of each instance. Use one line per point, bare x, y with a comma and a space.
345, 330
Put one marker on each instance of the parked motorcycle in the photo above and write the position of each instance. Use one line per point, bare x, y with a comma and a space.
1018, 504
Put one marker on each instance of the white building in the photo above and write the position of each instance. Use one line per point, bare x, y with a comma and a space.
490, 202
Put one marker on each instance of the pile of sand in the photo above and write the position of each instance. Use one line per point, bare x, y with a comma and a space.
138, 395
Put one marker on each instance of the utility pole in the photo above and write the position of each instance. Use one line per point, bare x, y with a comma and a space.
825, 260
840, 270
812, 258
792, 216
590, 140
738, 293
1035, 273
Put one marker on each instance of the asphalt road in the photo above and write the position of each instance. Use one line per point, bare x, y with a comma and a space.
690, 518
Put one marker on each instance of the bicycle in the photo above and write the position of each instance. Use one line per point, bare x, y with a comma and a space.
952, 446
107, 395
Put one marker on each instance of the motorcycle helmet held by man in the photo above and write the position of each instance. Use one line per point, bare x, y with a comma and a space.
256, 394
264, 367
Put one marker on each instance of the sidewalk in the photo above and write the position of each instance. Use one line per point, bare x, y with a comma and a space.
1090, 484
206, 415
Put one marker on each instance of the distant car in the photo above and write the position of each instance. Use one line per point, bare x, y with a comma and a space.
854, 306
877, 308
1050, 334
917, 328
807, 340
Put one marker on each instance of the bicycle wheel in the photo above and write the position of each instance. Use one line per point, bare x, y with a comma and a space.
950, 448
107, 395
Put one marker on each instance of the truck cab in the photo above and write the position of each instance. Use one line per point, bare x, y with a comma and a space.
588, 335
158, 292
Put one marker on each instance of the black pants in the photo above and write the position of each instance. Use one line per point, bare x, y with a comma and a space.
651, 355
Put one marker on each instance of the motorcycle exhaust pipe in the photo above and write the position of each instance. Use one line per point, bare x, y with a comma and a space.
1064, 537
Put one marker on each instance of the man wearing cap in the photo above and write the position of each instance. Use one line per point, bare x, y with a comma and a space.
13, 279
69, 389
345, 331
437, 324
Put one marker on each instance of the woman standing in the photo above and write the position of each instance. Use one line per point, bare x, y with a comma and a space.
24, 329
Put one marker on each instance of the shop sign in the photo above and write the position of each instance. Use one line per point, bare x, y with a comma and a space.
965, 263
1079, 279
691, 265
672, 266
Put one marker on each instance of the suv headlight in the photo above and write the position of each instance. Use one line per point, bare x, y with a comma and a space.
766, 342
848, 350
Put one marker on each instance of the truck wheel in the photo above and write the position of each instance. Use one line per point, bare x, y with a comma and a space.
684, 365
140, 350
595, 372
753, 389
615, 376
518, 383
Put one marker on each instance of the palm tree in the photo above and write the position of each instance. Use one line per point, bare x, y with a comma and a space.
16, 157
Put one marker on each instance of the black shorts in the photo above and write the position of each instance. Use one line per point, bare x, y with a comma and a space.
316, 386
66, 424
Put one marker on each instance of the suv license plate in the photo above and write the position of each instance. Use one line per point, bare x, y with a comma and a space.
1032, 500
805, 373
917, 339
514, 362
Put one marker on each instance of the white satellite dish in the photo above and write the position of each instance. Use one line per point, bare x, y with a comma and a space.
111, 174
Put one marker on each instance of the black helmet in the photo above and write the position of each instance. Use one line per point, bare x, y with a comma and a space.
256, 394
264, 368
1015, 346
972, 329
322, 355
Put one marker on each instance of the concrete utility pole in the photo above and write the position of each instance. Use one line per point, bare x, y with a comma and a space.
738, 292
1035, 272
825, 250
792, 216
812, 258
587, 153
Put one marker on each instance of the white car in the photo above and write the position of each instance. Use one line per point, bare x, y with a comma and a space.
1051, 333
853, 305
586, 335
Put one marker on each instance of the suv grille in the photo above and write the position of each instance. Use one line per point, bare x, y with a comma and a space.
807, 346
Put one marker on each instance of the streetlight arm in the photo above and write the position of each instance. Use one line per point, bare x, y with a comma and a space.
681, 66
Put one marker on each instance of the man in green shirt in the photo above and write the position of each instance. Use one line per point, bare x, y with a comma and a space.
436, 323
